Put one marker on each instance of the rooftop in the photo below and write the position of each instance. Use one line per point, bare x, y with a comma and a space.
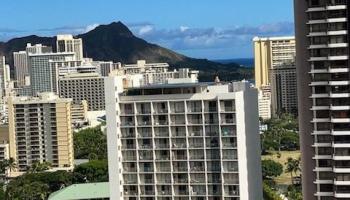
46, 97
82, 191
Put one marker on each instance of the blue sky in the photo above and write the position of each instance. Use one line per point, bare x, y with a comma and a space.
200, 28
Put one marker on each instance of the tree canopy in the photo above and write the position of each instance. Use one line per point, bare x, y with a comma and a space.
90, 143
271, 169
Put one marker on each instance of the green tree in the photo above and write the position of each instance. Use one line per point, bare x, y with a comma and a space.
93, 171
292, 166
269, 193
28, 190
38, 166
281, 134
271, 169
28, 183
294, 192
90, 143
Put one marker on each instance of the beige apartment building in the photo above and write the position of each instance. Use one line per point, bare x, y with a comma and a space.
40, 130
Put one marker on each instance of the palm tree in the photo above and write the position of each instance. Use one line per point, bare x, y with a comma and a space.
292, 166
11, 164
38, 166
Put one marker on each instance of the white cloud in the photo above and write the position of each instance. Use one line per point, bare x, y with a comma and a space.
90, 27
184, 28
145, 29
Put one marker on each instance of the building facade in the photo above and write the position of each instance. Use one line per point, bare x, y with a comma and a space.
84, 86
20, 60
42, 73
264, 102
323, 90
284, 97
40, 130
275, 67
68, 44
183, 141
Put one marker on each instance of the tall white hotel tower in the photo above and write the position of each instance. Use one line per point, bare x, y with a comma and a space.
183, 141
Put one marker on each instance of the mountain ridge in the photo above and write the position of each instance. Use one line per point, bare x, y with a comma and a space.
115, 42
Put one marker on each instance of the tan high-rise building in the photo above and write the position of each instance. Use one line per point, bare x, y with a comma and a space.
67, 43
270, 53
275, 67
40, 130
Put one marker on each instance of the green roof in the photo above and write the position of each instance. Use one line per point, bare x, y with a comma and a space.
82, 191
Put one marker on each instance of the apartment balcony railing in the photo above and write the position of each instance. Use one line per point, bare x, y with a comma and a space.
147, 192
164, 193
129, 158
196, 145
197, 168
194, 109
231, 181
145, 123
128, 135
161, 123
180, 169
162, 146
145, 146
232, 193
182, 180
228, 121
130, 193
197, 157
197, 180
128, 146
196, 133
147, 181
144, 157
127, 124
179, 145
229, 157
163, 169
145, 134
229, 145
161, 134
181, 192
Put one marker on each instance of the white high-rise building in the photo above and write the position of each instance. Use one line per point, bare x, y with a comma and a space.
20, 60
265, 102
183, 141
66, 43
4, 84
42, 74
21, 67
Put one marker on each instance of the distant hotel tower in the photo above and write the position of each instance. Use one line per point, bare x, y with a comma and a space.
324, 90
275, 68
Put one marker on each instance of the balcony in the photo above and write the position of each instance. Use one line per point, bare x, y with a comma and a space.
195, 109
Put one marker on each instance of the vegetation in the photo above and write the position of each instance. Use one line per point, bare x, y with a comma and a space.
281, 134
270, 193
37, 184
294, 192
271, 169
292, 167
93, 171
90, 144
281, 158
